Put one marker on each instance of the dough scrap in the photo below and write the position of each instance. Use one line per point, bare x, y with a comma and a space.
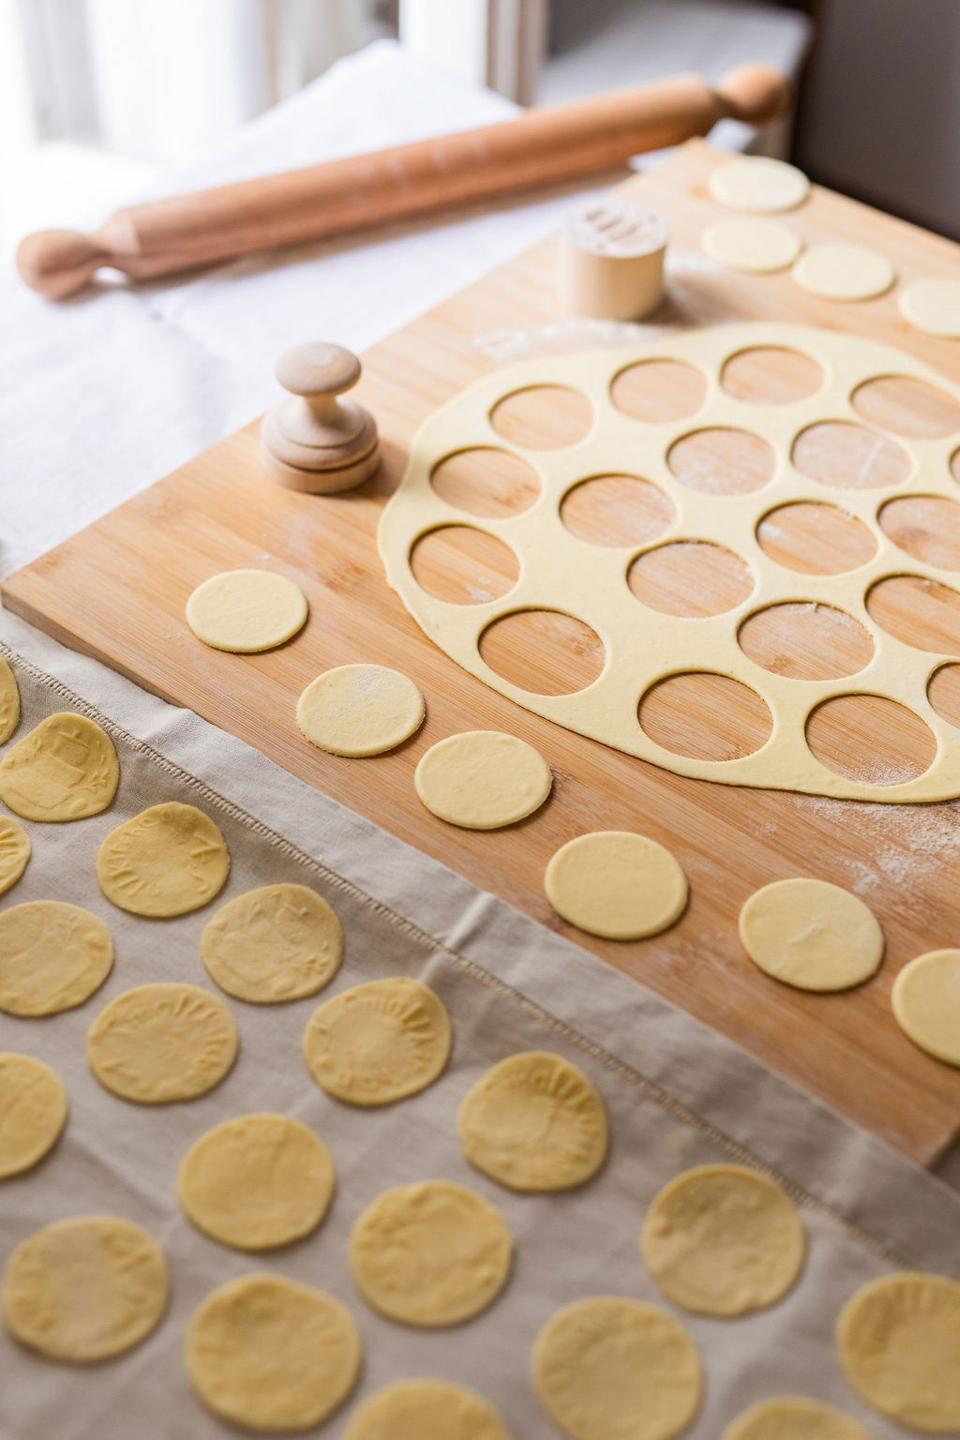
33, 1112
360, 710
482, 779
723, 1240
793, 1417
430, 1254
616, 884
610, 1368
534, 1122
246, 611
753, 245
378, 1042
277, 943
426, 1410
159, 1043
933, 306
168, 860
9, 701
271, 1354
926, 1003
53, 956
66, 768
844, 272
15, 850
756, 182
257, 1181
85, 1289
811, 934
899, 1341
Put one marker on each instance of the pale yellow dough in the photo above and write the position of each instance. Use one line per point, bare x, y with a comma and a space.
933, 306
723, 1240
33, 1112
425, 1410
616, 884
844, 272
257, 1181
278, 943
926, 1003
610, 1368
811, 934
482, 779
360, 710
85, 1289
270, 1354
160, 1043
14, 852
430, 1254
64, 769
53, 956
378, 1042
751, 244
168, 860
9, 702
899, 1341
756, 182
793, 1417
246, 611
534, 1122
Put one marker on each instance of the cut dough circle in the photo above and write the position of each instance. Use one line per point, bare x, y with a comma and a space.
933, 306
430, 1254
168, 860
15, 850
844, 272
756, 182
66, 768
53, 956
360, 710
482, 779
85, 1289
926, 1003
160, 1043
723, 1240
33, 1112
9, 701
277, 943
378, 1042
271, 1354
753, 245
811, 934
534, 1122
616, 884
257, 1181
899, 1341
793, 1417
610, 1366
246, 611
426, 1410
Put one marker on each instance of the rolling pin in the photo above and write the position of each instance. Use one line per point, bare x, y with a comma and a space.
539, 147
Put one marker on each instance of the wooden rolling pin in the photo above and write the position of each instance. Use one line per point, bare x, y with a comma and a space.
539, 147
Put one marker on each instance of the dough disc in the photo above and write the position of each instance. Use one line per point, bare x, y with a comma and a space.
271, 1354
844, 272
926, 1003
616, 884
430, 1254
160, 1043
611, 1367
33, 1112
755, 246
14, 852
482, 779
64, 769
723, 1240
9, 701
246, 611
53, 956
756, 182
534, 1122
378, 1042
278, 943
793, 1417
257, 1181
85, 1289
426, 1410
933, 306
811, 934
168, 860
360, 710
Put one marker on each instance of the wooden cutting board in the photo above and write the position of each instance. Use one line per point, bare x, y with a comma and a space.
117, 591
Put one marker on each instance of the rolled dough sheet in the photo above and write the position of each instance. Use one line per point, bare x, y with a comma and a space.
844, 272
273, 944
168, 860
425, 1410
756, 182
793, 1417
751, 244
616, 884
811, 934
14, 852
482, 779
360, 710
246, 611
64, 769
159, 1043
33, 1112
9, 701
53, 956
933, 306
378, 1042
926, 1003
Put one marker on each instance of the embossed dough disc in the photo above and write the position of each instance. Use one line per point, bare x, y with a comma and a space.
64, 769
14, 852
793, 1417
378, 1042
280, 942
53, 956
425, 1410
168, 860
9, 702
33, 1111
160, 1043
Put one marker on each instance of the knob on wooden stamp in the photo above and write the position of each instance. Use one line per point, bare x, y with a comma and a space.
313, 440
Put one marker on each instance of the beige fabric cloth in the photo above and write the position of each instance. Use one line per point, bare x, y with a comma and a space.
677, 1095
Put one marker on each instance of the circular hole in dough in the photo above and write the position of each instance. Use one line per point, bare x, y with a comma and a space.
273, 944
15, 852
943, 692
722, 461
166, 861
705, 716
544, 652
757, 182
616, 884
9, 701
899, 1338
933, 306
616, 510
659, 391
159, 1043
64, 769
430, 1254
804, 640
955, 466
534, 1122
926, 1003
610, 1366
844, 272
257, 1182
847, 456
690, 578
753, 245
360, 710
920, 612
871, 739
463, 565
425, 1410
53, 956
378, 1042
811, 934
486, 482
927, 527
794, 1417
723, 1240
246, 611
815, 539
85, 1289
907, 407
482, 779
33, 1112
771, 375
270, 1354
543, 417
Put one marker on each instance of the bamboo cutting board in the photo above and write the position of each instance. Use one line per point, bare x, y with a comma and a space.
117, 591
